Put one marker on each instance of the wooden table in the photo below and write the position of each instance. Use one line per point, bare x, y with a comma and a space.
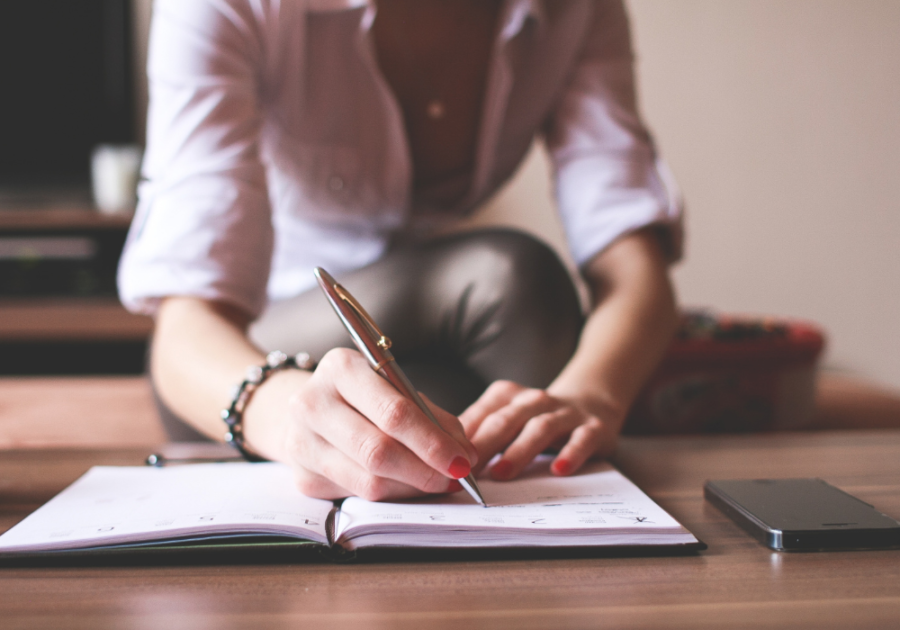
83, 411
737, 583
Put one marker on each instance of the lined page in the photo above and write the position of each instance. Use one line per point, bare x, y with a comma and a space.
537, 509
113, 505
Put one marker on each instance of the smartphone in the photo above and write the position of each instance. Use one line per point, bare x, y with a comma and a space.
802, 514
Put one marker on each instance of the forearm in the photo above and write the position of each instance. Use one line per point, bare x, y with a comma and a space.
200, 350
631, 322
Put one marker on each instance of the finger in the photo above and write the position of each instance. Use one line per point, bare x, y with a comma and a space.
500, 428
496, 396
453, 426
347, 439
341, 477
396, 417
536, 436
307, 451
588, 439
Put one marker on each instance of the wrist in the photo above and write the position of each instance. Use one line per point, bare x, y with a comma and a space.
259, 402
267, 416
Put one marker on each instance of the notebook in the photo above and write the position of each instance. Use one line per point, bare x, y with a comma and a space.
230, 506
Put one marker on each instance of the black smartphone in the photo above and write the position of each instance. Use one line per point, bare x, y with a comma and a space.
802, 514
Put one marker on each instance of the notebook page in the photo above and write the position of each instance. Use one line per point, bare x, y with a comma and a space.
538, 508
116, 505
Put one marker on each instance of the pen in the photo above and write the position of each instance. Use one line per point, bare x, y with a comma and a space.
375, 347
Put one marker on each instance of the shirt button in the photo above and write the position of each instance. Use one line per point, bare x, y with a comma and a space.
336, 183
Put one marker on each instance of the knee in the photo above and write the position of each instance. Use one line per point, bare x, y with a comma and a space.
502, 301
532, 303
531, 276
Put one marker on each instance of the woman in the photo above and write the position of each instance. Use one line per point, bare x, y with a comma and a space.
346, 134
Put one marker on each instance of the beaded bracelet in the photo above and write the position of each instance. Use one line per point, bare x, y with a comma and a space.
241, 394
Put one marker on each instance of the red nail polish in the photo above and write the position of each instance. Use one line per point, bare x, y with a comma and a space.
502, 469
459, 468
561, 467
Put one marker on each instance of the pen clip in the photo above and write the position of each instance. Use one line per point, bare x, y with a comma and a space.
383, 341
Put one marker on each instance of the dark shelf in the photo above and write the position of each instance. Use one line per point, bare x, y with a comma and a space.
81, 357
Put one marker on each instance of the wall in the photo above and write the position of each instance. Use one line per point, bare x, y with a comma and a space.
781, 120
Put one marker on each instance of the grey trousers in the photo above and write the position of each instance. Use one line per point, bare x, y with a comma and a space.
462, 311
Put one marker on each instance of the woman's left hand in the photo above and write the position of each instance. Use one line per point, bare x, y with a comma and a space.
522, 422
582, 411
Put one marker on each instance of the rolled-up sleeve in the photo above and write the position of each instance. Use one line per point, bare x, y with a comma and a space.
609, 179
203, 225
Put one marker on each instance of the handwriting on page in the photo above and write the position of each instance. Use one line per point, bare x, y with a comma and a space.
599, 498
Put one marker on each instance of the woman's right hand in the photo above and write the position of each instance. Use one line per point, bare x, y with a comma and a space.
346, 431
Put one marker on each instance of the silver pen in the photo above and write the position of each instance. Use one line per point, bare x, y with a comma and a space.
376, 348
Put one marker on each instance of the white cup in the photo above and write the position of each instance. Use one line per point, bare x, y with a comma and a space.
114, 174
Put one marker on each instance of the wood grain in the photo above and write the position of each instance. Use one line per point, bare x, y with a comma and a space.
91, 411
61, 217
737, 583
70, 319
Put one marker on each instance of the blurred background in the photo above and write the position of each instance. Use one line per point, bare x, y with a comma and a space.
781, 122
779, 119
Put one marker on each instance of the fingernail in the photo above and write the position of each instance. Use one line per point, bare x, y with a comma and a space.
454, 486
502, 469
459, 468
561, 467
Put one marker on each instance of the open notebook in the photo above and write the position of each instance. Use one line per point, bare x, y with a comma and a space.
116, 509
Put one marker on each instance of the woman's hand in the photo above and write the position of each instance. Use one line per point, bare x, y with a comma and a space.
581, 412
522, 422
349, 432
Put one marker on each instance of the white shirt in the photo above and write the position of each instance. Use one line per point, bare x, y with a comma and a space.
274, 143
